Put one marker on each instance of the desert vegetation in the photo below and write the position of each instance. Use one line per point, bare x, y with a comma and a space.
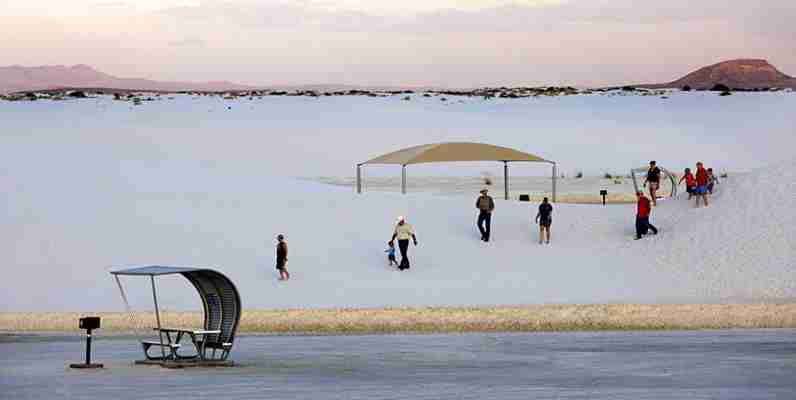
441, 319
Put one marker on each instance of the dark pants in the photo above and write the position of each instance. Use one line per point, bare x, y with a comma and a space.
643, 225
403, 246
484, 218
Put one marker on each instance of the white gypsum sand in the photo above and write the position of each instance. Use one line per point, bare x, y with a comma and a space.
738, 249
192, 182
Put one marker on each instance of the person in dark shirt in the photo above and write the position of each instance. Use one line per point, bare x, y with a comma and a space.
544, 218
485, 206
281, 258
654, 180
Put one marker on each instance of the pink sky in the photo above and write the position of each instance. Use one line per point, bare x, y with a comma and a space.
412, 42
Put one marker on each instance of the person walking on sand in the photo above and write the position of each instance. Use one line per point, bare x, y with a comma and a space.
544, 218
391, 253
712, 180
281, 258
690, 183
403, 232
654, 180
701, 184
485, 206
643, 210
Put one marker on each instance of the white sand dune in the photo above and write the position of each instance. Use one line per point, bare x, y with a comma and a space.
741, 247
743, 244
94, 184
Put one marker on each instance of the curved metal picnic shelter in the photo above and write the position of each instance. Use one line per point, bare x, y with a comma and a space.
222, 310
455, 151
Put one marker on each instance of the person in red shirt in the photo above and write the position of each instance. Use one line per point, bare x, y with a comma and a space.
702, 184
643, 209
690, 182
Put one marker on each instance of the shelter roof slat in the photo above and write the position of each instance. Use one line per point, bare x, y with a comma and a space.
154, 270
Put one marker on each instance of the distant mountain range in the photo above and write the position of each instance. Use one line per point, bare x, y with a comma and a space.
54, 77
17, 79
734, 74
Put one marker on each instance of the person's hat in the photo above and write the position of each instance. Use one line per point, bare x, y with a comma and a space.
400, 218
484, 190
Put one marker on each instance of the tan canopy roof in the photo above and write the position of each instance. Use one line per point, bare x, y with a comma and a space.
454, 151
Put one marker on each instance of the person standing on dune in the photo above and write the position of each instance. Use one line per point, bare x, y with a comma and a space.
281, 258
544, 218
712, 180
702, 184
403, 232
485, 206
654, 180
690, 183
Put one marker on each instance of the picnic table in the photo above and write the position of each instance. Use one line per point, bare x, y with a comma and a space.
198, 338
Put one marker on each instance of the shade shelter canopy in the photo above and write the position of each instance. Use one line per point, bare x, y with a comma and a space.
452, 152
222, 310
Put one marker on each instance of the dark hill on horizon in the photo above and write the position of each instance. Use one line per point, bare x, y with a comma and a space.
18, 79
735, 74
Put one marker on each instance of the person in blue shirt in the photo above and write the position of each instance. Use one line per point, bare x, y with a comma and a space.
391, 253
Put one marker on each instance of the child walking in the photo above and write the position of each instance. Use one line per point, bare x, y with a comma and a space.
391, 253
690, 183
712, 180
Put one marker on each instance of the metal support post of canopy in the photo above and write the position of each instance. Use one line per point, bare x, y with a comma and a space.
506, 179
157, 315
359, 178
555, 178
403, 180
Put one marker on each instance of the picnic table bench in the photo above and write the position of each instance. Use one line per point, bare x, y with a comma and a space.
198, 339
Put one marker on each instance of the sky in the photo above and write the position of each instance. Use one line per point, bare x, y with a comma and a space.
449, 43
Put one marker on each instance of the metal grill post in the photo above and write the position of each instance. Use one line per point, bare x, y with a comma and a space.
88, 347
